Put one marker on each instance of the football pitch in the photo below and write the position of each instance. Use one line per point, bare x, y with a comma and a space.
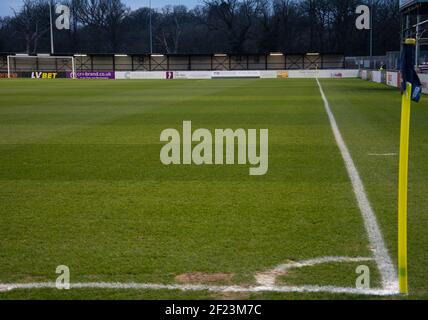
82, 185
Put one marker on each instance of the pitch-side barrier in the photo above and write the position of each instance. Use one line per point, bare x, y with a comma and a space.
171, 75
391, 78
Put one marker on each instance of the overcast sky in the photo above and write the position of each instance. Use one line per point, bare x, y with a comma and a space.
6, 5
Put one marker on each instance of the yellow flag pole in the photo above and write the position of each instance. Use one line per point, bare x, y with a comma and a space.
402, 190
403, 186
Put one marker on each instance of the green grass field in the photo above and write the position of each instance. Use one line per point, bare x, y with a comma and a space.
82, 185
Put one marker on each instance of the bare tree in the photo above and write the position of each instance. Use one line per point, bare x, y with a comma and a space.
233, 17
104, 15
238, 26
285, 21
32, 22
169, 27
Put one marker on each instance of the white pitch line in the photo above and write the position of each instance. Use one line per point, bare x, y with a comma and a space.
381, 255
263, 286
268, 278
383, 154
211, 288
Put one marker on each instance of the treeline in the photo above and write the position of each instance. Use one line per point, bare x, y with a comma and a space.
232, 26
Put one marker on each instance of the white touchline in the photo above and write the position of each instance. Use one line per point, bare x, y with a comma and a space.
381, 255
200, 287
265, 282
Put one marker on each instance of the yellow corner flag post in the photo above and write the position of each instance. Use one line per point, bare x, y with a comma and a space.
402, 190
403, 184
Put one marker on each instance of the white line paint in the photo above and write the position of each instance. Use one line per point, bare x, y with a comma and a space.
383, 260
263, 286
268, 278
211, 288
383, 154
